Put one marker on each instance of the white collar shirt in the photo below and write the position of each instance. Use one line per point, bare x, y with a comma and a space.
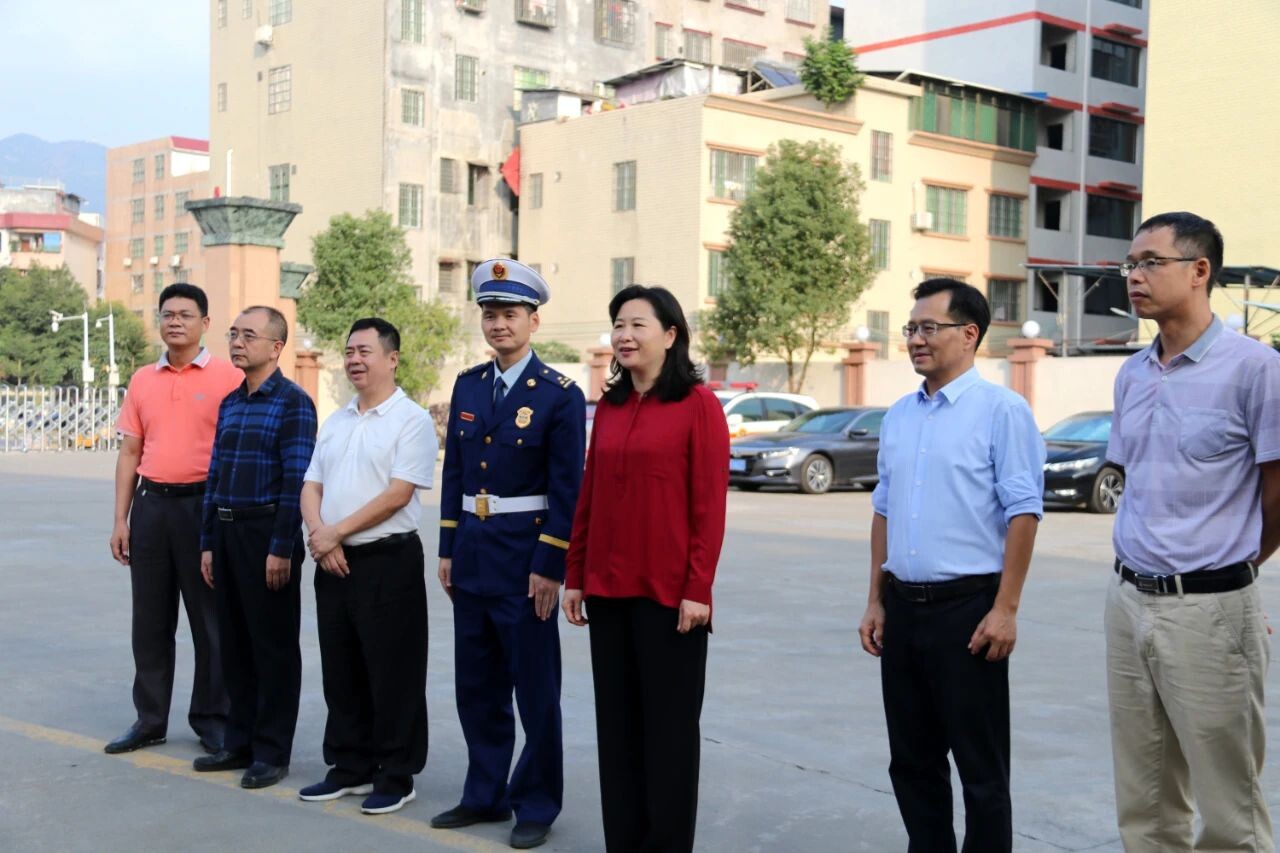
358, 454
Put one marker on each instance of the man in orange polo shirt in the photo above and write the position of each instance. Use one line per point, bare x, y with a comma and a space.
166, 427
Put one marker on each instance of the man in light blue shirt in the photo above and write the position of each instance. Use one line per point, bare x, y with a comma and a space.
956, 510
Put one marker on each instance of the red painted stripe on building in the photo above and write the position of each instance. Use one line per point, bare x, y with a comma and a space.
1052, 261
973, 28
186, 143
1100, 189
1064, 104
1125, 116
36, 221
745, 43
1054, 184
1122, 38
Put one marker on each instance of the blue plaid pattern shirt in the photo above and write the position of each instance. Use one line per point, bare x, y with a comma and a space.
260, 453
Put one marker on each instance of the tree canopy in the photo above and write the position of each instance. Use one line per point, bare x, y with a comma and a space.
829, 70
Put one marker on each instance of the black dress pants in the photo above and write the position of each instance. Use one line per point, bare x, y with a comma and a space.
649, 682
373, 654
939, 698
262, 663
164, 564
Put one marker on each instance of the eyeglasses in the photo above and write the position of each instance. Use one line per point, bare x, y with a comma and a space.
184, 316
1149, 264
928, 329
247, 337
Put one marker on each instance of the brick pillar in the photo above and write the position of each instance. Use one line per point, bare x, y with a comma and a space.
854, 387
599, 361
306, 373
1023, 355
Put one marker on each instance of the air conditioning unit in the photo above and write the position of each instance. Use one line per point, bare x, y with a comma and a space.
155, 260
922, 221
175, 261
128, 262
262, 35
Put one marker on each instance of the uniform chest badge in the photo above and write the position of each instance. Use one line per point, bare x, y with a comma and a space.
524, 416
467, 416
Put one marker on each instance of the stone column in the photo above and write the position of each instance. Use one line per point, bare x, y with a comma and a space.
1023, 355
242, 241
854, 387
598, 363
306, 373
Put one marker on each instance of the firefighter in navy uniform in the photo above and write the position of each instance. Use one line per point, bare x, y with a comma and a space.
512, 468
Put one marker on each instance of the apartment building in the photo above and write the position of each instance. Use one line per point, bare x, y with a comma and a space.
151, 239
41, 225
1086, 61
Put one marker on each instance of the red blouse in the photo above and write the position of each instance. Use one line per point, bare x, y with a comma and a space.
650, 516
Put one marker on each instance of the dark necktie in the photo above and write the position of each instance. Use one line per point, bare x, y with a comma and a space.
499, 391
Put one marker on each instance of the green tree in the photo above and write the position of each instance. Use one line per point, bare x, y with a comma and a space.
556, 351
829, 70
797, 262
32, 353
362, 270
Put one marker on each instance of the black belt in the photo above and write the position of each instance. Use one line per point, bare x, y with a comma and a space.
170, 490
924, 593
1226, 579
240, 513
386, 543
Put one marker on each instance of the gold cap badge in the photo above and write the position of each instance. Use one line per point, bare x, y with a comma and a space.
499, 271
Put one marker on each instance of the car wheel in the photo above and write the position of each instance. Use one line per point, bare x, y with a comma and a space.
816, 475
748, 487
1108, 487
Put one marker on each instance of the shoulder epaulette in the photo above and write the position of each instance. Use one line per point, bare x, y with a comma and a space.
474, 368
556, 377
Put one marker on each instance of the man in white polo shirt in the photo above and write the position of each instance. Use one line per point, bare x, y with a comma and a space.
360, 506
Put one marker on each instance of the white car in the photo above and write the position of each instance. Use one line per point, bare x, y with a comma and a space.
751, 412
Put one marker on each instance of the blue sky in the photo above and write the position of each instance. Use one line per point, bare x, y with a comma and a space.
110, 72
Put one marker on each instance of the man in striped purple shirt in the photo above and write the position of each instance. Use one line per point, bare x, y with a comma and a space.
253, 549
1197, 428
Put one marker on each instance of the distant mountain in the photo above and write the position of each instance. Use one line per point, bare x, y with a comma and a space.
80, 166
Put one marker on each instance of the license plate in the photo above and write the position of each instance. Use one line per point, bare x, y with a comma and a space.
737, 464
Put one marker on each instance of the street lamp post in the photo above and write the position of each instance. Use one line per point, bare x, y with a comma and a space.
86, 370
113, 375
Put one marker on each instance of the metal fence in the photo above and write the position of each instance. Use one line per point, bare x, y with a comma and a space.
58, 418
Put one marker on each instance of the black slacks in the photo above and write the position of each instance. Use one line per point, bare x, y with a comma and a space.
649, 683
373, 655
262, 662
164, 564
939, 698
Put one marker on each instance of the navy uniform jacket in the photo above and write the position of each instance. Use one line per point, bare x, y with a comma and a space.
532, 445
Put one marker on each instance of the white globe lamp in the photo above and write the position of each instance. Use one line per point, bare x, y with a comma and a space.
1031, 329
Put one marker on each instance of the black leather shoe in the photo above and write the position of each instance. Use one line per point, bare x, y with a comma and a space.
460, 816
210, 744
527, 834
222, 760
260, 775
135, 738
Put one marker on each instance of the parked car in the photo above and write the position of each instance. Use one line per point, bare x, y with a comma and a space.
750, 412
1076, 471
815, 452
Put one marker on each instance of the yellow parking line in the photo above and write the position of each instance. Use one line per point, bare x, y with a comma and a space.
150, 760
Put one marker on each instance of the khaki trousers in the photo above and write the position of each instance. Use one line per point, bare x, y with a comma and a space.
1185, 680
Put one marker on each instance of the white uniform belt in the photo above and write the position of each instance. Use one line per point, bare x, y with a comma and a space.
487, 505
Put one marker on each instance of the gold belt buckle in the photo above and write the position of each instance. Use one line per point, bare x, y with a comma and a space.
482, 506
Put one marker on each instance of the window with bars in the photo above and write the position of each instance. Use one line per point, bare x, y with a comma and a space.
447, 277
135, 283
623, 273
413, 107
411, 205
180, 200
1115, 62
740, 54
733, 174
281, 12
246, 8
158, 207
222, 97
624, 185
950, 209
1004, 215
137, 210
411, 21
182, 275
1109, 217
879, 232
157, 245
525, 79
1005, 296
717, 272
540, 13
279, 180
139, 170
662, 41
697, 46
222, 13
878, 326
279, 89
800, 10
535, 191
180, 242
159, 167
616, 21
477, 185
157, 280
1114, 140
135, 248
448, 175
464, 79
881, 156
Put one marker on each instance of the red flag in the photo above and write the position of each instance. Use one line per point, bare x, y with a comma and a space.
511, 171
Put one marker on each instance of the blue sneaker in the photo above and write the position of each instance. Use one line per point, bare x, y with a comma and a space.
387, 803
321, 791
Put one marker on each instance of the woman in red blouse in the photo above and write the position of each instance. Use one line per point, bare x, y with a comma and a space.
645, 542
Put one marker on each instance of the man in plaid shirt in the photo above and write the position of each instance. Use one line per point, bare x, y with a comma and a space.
252, 549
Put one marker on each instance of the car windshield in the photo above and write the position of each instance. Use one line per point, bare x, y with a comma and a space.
819, 421
1081, 428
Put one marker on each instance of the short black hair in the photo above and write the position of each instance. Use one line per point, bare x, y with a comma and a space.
277, 325
388, 334
967, 305
182, 290
1193, 235
679, 373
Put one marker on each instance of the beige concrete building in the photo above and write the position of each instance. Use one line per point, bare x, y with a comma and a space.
646, 193
412, 106
1211, 139
43, 226
151, 239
